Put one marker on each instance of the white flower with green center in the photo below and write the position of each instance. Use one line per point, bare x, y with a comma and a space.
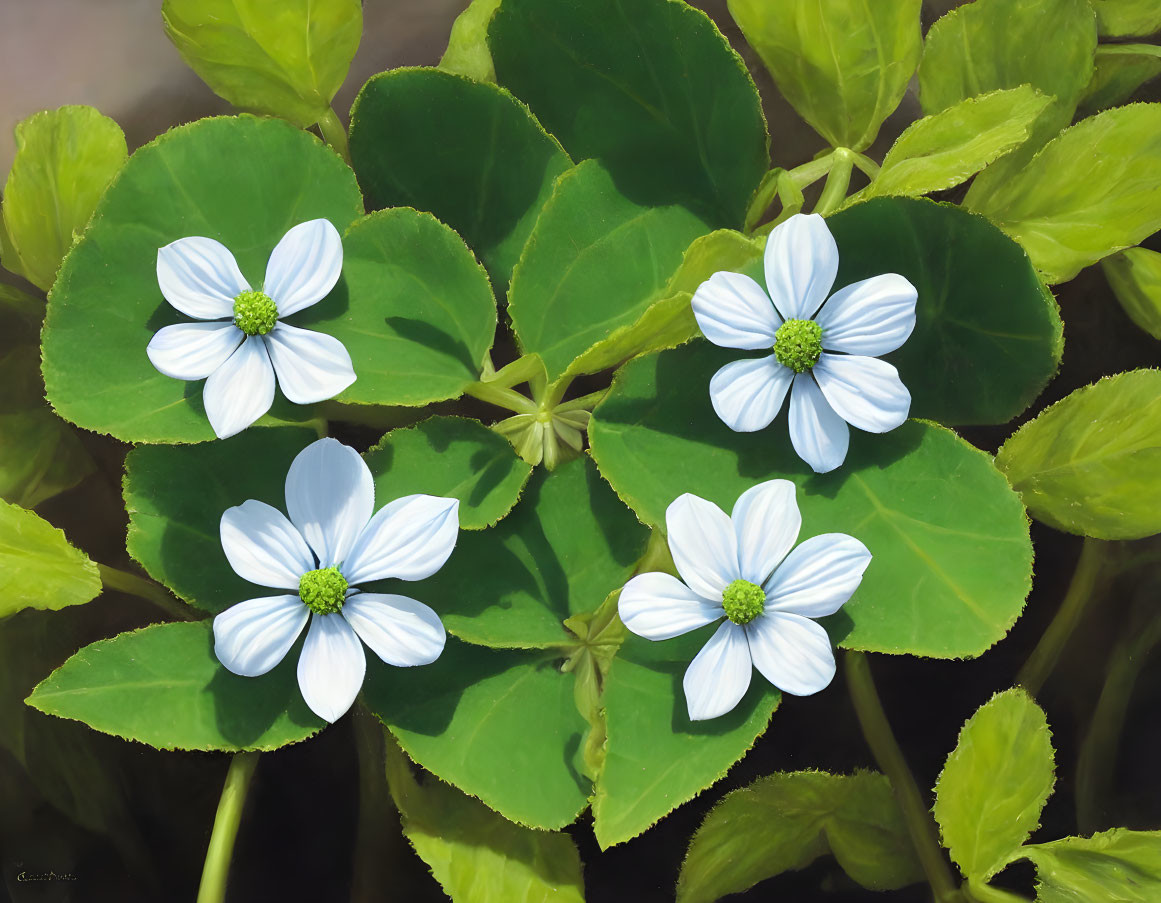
825, 355
242, 339
329, 545
741, 568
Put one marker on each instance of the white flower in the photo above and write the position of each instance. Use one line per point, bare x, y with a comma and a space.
242, 341
830, 390
737, 567
330, 543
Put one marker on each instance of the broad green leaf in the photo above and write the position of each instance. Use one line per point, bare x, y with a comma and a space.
594, 263
241, 180
1117, 866
1135, 278
652, 89
1091, 191
38, 568
1120, 70
951, 569
990, 794
1089, 463
466, 151
163, 686
988, 335
287, 59
453, 457
844, 65
64, 160
785, 821
1121, 18
467, 46
720, 250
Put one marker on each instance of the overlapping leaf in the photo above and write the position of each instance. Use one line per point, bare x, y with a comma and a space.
1118, 865
1134, 275
1120, 70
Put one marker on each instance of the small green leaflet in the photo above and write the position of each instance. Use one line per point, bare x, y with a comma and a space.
1134, 275
38, 568
467, 46
1120, 70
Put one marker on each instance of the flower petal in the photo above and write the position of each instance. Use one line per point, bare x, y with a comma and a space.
719, 675
332, 666
801, 262
872, 317
792, 652
311, 366
304, 266
329, 496
241, 390
818, 434
818, 577
704, 548
263, 547
747, 395
200, 277
409, 539
732, 311
250, 638
767, 521
865, 391
193, 350
659, 607
400, 630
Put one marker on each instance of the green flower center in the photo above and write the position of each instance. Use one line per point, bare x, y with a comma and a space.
255, 313
743, 601
323, 591
798, 344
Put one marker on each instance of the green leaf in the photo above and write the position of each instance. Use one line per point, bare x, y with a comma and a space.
1135, 278
241, 180
844, 65
595, 262
995, 783
64, 160
410, 134
1089, 463
1117, 866
467, 46
988, 335
1121, 18
962, 555
287, 59
653, 90
1120, 70
1091, 191
785, 821
163, 686
38, 568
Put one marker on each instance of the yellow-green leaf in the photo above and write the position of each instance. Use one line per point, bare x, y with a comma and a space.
1135, 278
38, 567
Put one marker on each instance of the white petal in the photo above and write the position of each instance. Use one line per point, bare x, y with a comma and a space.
193, 350
659, 607
703, 545
250, 638
818, 577
332, 666
767, 522
748, 394
873, 317
801, 263
263, 547
719, 675
409, 539
792, 652
304, 266
329, 496
311, 366
865, 391
200, 277
400, 630
732, 311
818, 434
241, 390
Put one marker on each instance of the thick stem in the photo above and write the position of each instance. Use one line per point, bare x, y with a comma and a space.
838, 180
982, 892
501, 397
335, 134
125, 582
376, 838
216, 870
916, 815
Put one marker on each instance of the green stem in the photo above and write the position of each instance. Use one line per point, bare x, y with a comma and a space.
810, 172
982, 892
334, 134
866, 166
125, 582
916, 815
375, 852
524, 369
838, 180
216, 870
501, 397
584, 403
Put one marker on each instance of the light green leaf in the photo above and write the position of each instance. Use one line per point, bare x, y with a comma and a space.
64, 160
1120, 70
287, 59
844, 65
1135, 278
1121, 18
38, 568
995, 783
163, 686
1117, 866
785, 821
467, 46
724, 249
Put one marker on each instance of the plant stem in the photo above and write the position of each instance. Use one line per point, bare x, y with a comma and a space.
881, 740
982, 892
838, 180
216, 870
501, 397
375, 852
334, 134
125, 582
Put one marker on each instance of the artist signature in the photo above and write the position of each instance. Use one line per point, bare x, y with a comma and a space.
50, 875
